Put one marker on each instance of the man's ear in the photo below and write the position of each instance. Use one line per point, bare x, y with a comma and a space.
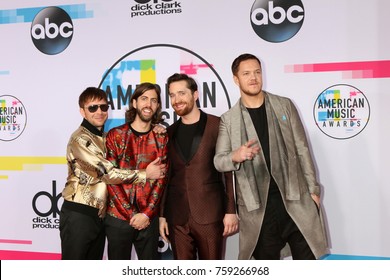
196, 95
235, 79
82, 112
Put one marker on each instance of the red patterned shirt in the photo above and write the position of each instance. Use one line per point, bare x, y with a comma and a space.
126, 149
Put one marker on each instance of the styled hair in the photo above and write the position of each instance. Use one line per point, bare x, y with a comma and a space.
140, 89
241, 58
191, 84
92, 93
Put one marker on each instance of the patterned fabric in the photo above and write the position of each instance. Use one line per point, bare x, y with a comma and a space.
127, 150
89, 171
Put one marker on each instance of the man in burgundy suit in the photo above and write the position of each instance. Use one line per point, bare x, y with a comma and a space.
198, 206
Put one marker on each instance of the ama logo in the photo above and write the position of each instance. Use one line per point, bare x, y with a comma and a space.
13, 117
341, 111
155, 63
277, 21
52, 30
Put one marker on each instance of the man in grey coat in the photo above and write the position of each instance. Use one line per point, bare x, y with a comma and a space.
262, 139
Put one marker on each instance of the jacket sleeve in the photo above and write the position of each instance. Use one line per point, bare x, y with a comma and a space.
91, 159
302, 149
230, 205
223, 150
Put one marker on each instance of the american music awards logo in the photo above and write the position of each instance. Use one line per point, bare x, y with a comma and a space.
155, 63
13, 117
341, 111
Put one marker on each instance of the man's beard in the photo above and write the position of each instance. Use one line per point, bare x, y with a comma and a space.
187, 109
251, 93
142, 117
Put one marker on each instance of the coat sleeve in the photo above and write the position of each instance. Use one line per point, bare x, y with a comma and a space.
223, 150
91, 160
230, 204
302, 150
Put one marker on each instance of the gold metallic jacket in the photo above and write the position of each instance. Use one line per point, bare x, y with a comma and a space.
89, 171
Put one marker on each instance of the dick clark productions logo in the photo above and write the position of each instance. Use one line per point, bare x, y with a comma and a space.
45, 205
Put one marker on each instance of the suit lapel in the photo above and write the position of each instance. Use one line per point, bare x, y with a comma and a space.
173, 136
240, 135
200, 128
282, 139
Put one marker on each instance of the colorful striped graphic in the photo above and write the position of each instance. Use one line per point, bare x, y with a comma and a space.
77, 11
28, 163
350, 70
11, 241
352, 257
21, 255
192, 69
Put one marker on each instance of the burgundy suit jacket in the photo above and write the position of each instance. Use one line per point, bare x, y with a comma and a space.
195, 187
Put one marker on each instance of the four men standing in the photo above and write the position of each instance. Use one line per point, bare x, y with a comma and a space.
261, 139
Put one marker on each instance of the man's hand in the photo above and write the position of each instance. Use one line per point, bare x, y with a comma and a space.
155, 170
230, 222
163, 227
159, 129
246, 152
139, 221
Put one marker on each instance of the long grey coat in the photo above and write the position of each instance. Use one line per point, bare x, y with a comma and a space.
292, 169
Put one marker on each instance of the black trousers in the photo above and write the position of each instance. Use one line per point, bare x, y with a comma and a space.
82, 235
278, 229
121, 236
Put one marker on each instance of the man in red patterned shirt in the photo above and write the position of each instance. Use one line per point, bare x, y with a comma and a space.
132, 208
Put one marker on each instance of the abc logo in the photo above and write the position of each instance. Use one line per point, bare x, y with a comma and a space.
52, 30
277, 21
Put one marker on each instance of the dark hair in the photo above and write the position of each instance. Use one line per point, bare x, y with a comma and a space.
241, 58
140, 90
191, 84
92, 93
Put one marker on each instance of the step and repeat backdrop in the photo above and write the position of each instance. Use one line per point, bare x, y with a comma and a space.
331, 57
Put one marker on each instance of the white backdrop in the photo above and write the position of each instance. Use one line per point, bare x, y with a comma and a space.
340, 42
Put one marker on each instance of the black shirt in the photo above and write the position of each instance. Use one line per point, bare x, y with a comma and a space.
259, 119
184, 136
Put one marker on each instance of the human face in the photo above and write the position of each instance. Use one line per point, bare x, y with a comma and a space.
146, 105
97, 118
249, 78
182, 99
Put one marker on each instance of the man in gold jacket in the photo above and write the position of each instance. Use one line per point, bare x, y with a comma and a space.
85, 193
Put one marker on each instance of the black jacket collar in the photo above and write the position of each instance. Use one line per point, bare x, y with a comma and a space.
92, 128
